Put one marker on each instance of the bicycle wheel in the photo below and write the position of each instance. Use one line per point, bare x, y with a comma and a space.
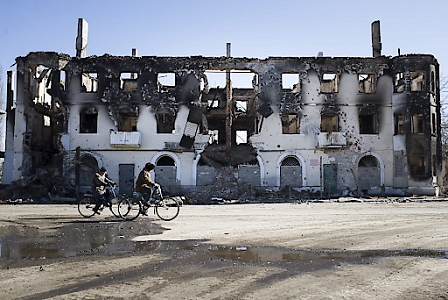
167, 209
85, 206
115, 203
129, 208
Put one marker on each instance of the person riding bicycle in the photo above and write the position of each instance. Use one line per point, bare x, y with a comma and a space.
144, 182
98, 188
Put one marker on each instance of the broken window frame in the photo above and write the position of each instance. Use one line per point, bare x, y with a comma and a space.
241, 137
329, 83
166, 81
290, 123
47, 121
88, 121
329, 122
367, 83
368, 123
399, 82
243, 79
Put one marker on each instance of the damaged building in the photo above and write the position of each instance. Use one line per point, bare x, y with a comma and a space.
328, 126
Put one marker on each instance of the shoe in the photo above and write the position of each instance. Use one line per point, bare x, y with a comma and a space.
144, 212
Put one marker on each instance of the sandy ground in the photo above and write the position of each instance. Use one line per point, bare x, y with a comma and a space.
374, 250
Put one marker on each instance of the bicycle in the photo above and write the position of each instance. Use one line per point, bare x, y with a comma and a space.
88, 202
166, 208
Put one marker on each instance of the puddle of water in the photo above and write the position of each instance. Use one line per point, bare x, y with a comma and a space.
273, 254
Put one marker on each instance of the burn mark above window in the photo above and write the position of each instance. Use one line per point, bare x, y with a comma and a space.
367, 83
329, 83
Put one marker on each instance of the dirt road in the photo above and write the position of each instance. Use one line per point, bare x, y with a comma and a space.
374, 250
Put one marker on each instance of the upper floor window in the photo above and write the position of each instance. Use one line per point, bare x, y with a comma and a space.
367, 83
418, 81
165, 81
418, 123
291, 82
128, 82
127, 123
88, 122
290, 124
329, 123
89, 82
398, 124
329, 83
368, 123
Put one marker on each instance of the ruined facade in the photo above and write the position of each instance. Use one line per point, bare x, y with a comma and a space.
330, 125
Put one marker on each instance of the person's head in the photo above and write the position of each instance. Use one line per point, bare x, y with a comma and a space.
149, 166
103, 170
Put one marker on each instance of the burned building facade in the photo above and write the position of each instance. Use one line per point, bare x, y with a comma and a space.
334, 125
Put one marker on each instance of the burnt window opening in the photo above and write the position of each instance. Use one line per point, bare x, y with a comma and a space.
433, 82
329, 123
128, 82
165, 161
241, 106
418, 164
433, 123
368, 124
290, 123
243, 79
399, 82
213, 136
127, 123
418, 123
329, 83
47, 121
88, 122
241, 137
166, 81
291, 82
40, 85
216, 78
89, 82
367, 83
165, 122
418, 81
398, 124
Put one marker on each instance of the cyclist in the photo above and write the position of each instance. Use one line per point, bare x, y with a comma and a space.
98, 188
144, 182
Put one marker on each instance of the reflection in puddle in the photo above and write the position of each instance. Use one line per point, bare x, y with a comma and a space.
115, 238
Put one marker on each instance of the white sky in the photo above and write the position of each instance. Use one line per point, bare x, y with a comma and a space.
255, 28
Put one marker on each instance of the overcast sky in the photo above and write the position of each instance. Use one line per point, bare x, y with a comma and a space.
199, 27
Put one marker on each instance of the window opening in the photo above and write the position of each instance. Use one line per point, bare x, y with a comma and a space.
368, 161
398, 124
165, 122
216, 78
166, 80
165, 161
241, 137
367, 83
213, 136
47, 121
399, 83
418, 123
290, 161
329, 123
418, 81
433, 82
291, 82
329, 83
241, 106
368, 124
89, 82
290, 124
88, 121
127, 123
243, 79
128, 82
